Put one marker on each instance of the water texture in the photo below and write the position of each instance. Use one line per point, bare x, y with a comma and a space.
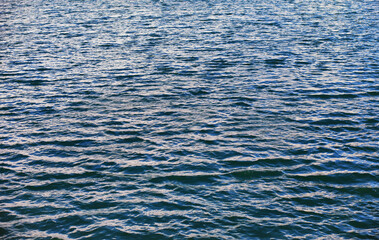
174, 119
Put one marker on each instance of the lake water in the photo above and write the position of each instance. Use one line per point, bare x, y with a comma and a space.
174, 119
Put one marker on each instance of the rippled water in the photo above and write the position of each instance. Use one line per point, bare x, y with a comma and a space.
162, 119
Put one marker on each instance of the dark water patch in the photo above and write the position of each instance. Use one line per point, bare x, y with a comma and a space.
355, 190
15, 146
337, 178
209, 142
123, 132
64, 176
130, 140
373, 93
44, 110
7, 170
310, 202
57, 152
332, 96
14, 156
137, 169
361, 148
362, 224
67, 143
328, 122
211, 132
52, 225
302, 63
3, 231
36, 82
53, 164
252, 174
186, 179
171, 132
277, 162
222, 154
197, 92
59, 185
370, 120
7, 216
168, 113
274, 62
95, 205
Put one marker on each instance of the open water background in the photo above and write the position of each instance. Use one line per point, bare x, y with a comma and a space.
194, 119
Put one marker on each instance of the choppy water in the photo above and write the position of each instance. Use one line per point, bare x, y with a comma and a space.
189, 119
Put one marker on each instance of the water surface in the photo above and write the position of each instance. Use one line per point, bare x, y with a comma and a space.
220, 119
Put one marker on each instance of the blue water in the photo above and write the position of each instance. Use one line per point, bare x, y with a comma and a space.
174, 119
